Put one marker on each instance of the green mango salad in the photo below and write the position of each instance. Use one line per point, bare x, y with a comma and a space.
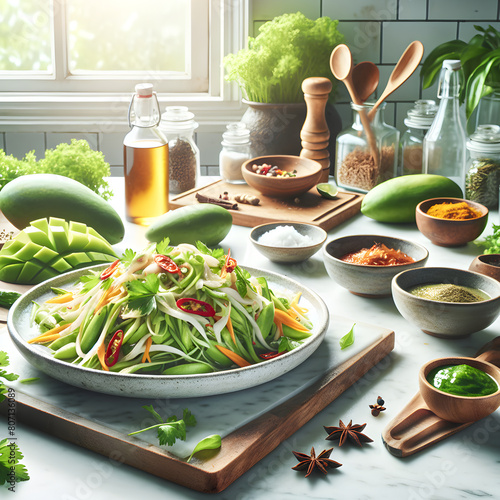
170, 310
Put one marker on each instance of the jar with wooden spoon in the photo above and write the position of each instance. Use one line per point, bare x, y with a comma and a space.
355, 167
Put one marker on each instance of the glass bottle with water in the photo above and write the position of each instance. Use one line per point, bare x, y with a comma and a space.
444, 147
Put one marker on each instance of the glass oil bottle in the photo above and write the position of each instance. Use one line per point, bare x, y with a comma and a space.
145, 155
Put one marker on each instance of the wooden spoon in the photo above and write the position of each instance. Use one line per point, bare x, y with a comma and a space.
341, 66
365, 78
433, 415
404, 68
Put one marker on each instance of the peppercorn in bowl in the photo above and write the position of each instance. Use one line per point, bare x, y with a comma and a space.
281, 176
451, 222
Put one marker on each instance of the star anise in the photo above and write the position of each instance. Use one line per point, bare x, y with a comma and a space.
376, 409
322, 461
351, 432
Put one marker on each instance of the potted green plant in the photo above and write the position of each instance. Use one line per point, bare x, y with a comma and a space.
270, 72
480, 59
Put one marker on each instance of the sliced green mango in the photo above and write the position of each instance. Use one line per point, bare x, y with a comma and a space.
48, 248
61, 265
45, 255
11, 272
77, 259
60, 237
77, 227
29, 270
35, 235
28, 251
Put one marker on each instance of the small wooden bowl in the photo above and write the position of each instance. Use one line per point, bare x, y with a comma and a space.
461, 409
487, 264
308, 175
449, 232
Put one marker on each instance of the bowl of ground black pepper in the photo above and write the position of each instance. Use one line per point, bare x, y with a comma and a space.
446, 302
451, 222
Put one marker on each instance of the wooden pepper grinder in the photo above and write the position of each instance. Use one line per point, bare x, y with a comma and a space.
315, 133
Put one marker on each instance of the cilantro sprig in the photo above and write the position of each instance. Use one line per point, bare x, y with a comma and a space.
4, 362
168, 431
10, 466
171, 429
142, 294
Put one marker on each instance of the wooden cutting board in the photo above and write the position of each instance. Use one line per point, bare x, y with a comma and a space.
240, 450
310, 207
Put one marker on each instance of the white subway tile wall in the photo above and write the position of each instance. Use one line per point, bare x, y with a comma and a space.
375, 30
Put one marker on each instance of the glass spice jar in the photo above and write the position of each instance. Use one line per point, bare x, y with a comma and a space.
418, 120
483, 175
235, 151
356, 168
178, 125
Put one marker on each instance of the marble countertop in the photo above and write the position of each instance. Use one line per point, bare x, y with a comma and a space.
463, 466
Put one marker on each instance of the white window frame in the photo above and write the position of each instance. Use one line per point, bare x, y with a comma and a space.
101, 110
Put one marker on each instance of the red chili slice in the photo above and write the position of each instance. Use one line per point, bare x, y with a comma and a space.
167, 264
195, 306
229, 265
271, 355
110, 270
113, 349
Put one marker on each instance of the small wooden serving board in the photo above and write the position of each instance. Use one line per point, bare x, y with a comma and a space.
309, 207
240, 450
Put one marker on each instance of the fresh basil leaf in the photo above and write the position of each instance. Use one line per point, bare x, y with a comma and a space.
213, 442
348, 338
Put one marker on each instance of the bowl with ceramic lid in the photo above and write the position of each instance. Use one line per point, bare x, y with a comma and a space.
451, 222
287, 242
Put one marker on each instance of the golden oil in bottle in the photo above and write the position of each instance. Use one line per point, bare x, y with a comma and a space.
146, 180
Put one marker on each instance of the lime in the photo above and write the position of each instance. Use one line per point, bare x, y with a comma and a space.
327, 190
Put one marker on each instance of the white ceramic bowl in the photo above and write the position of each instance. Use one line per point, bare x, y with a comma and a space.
288, 254
368, 281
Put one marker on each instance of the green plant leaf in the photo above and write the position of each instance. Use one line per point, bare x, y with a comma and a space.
348, 338
212, 442
434, 61
475, 83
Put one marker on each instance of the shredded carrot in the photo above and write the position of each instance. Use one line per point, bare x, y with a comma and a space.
49, 338
229, 326
49, 335
145, 356
60, 299
235, 358
101, 353
295, 305
289, 321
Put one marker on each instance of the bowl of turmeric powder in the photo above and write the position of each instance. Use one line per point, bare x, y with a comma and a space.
451, 222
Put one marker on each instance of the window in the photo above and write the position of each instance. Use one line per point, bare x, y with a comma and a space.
81, 59
104, 45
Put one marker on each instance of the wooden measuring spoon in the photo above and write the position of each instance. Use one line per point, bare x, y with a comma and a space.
365, 78
341, 66
433, 415
404, 68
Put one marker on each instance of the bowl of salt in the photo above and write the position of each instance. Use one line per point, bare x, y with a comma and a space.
289, 242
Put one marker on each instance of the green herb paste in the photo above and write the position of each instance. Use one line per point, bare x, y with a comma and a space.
449, 293
462, 380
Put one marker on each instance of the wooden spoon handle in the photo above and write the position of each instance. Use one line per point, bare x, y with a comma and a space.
490, 352
415, 428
